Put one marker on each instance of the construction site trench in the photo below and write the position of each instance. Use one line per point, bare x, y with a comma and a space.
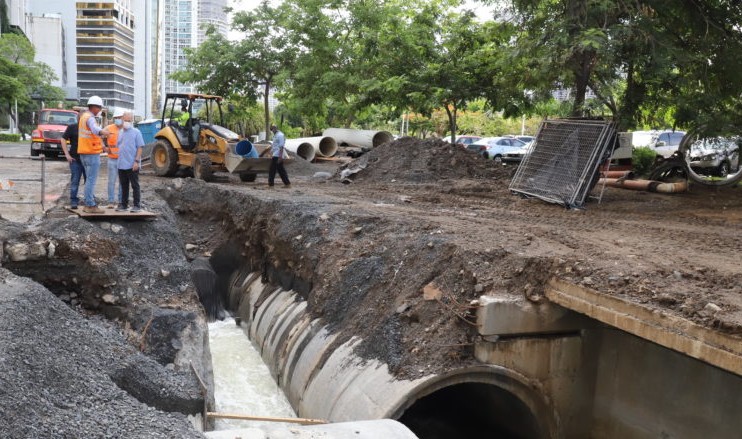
418, 289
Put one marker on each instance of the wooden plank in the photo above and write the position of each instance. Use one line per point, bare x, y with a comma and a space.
673, 332
110, 212
303, 421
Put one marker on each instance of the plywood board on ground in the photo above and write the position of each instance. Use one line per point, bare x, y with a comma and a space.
110, 212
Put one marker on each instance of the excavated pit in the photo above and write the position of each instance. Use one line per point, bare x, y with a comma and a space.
382, 282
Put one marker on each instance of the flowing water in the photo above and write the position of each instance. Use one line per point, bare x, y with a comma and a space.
243, 384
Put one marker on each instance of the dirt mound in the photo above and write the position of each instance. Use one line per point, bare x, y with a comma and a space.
418, 161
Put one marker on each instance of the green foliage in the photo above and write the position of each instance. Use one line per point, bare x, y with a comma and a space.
10, 137
22, 79
643, 159
230, 69
650, 63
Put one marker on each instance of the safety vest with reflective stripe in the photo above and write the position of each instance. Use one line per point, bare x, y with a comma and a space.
113, 149
87, 142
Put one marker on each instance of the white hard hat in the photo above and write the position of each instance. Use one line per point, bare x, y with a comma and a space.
118, 113
95, 100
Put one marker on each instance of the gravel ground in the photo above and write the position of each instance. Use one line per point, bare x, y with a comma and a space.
55, 373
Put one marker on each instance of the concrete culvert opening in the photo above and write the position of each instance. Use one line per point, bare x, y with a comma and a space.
470, 411
328, 147
382, 137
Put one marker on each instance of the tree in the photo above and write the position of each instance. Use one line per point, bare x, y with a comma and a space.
22, 79
640, 58
227, 68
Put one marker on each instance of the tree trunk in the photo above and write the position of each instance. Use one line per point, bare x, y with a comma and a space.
452, 121
265, 107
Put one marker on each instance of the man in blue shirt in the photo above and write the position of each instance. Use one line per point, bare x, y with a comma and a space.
130, 143
277, 155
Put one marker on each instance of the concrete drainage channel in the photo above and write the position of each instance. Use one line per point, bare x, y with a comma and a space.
334, 383
355, 318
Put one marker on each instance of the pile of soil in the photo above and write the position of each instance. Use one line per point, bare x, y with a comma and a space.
419, 161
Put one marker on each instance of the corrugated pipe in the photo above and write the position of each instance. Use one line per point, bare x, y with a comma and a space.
646, 185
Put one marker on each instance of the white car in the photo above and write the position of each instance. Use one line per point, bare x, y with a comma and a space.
517, 155
664, 143
496, 148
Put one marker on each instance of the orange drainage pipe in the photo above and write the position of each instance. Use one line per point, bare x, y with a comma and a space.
618, 174
646, 185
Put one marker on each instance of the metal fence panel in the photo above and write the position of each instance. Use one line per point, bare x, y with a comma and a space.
564, 160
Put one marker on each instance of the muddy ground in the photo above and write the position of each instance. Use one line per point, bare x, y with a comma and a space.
397, 252
426, 214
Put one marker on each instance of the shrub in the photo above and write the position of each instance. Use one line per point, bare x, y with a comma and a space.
10, 137
643, 159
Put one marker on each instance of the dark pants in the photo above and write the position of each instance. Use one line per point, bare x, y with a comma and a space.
127, 176
277, 166
77, 171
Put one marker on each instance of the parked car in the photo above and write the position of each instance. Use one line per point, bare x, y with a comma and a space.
718, 156
517, 155
467, 140
663, 142
523, 138
495, 148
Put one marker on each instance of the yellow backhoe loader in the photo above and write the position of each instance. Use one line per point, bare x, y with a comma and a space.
193, 136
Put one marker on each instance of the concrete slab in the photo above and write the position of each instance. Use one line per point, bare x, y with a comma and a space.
110, 212
510, 315
376, 429
658, 326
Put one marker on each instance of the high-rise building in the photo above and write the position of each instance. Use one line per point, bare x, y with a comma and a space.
184, 24
16, 14
105, 52
46, 33
211, 13
179, 31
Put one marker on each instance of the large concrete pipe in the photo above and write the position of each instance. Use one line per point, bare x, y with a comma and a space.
323, 146
301, 148
324, 380
367, 138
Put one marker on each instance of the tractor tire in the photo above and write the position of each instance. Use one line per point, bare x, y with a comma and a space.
669, 171
164, 159
248, 176
202, 167
34, 153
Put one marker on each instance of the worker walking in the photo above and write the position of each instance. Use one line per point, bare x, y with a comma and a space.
113, 154
90, 147
73, 158
130, 144
277, 156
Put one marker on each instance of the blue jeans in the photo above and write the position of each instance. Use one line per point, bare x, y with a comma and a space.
77, 172
113, 174
91, 163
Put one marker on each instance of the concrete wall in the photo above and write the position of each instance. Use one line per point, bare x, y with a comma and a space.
605, 383
647, 391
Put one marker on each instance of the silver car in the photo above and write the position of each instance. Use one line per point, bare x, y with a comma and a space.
717, 156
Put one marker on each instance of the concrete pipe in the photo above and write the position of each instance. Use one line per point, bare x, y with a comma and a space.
323, 146
646, 185
301, 148
367, 138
